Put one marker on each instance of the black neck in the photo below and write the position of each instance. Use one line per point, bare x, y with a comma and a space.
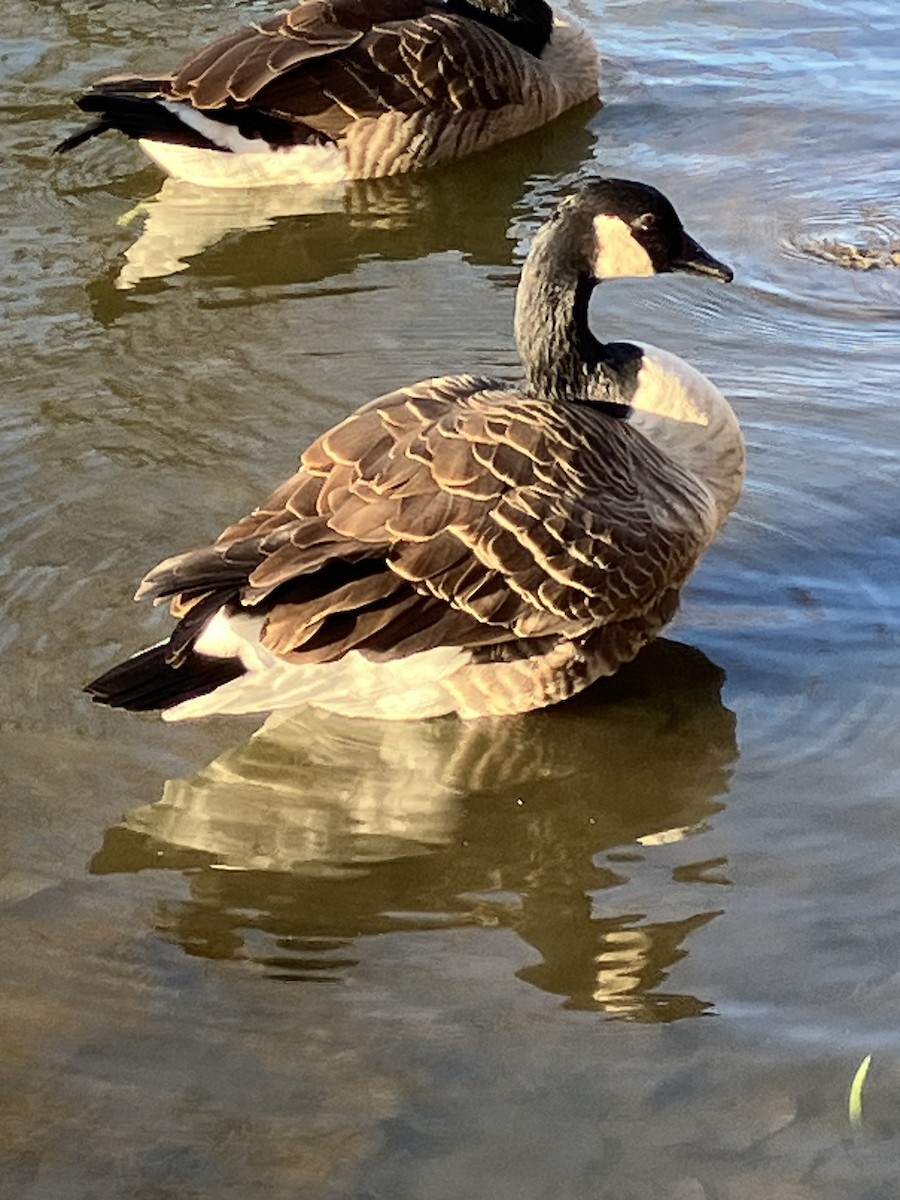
563, 360
526, 23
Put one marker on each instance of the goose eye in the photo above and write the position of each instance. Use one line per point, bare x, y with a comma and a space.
644, 222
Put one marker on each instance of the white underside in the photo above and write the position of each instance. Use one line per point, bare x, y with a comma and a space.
405, 689
257, 166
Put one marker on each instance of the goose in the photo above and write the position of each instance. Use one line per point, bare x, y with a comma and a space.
334, 90
461, 545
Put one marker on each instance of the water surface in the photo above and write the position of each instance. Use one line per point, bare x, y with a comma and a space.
634, 947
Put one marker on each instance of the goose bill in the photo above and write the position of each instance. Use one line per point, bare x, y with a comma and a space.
697, 261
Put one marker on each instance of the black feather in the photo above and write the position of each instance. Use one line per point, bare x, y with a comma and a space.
136, 117
143, 116
83, 135
149, 681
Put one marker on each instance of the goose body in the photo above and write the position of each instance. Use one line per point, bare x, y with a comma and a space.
336, 90
460, 545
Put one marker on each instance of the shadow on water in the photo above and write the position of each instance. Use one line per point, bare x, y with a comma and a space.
320, 831
289, 236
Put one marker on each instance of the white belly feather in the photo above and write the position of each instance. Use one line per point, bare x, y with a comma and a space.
355, 686
257, 165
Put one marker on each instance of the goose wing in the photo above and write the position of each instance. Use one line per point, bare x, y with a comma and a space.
453, 512
330, 62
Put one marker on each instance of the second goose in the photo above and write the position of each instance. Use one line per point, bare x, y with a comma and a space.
460, 545
352, 89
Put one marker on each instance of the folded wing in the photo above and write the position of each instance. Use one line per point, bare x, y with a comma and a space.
453, 512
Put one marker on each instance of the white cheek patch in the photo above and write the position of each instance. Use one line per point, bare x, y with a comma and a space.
618, 252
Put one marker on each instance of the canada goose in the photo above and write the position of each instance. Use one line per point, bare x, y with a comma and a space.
352, 89
461, 546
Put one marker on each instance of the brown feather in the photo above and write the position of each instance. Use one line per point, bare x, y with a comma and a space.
328, 63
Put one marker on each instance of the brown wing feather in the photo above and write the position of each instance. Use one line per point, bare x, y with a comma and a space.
256, 53
328, 63
457, 512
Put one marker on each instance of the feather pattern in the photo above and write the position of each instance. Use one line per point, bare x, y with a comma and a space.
522, 518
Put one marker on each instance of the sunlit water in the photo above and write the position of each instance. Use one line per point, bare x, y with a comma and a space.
514, 926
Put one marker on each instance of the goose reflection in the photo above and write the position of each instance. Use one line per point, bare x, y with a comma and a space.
320, 831
401, 217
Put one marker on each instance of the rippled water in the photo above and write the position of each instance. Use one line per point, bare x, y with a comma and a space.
516, 924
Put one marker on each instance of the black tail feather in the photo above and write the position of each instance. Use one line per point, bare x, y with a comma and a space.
149, 680
133, 107
82, 135
136, 117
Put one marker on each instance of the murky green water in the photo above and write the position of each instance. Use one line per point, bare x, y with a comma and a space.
631, 948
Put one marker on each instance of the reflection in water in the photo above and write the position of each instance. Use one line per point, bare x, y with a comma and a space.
182, 220
614, 964
321, 830
345, 222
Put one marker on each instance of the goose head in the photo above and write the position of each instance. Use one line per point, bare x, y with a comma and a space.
609, 228
638, 232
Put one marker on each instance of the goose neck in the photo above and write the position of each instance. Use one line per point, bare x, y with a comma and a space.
560, 355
